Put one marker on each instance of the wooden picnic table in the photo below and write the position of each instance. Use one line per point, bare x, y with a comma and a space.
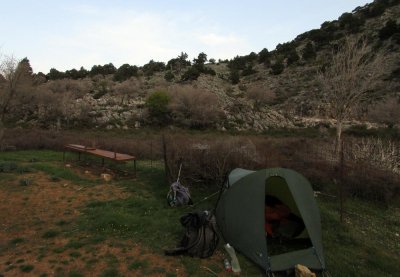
104, 154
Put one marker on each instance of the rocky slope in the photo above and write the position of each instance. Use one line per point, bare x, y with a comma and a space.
259, 100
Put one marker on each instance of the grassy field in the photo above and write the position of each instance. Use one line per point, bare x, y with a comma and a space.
67, 221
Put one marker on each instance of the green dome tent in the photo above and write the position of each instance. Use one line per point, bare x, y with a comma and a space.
240, 216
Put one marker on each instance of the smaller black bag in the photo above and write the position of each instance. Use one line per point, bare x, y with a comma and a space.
200, 239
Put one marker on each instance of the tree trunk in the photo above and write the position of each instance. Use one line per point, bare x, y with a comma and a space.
338, 146
2, 131
341, 181
340, 160
166, 165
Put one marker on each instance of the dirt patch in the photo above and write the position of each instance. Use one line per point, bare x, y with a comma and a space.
37, 228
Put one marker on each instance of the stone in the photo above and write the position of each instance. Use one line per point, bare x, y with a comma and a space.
106, 177
303, 271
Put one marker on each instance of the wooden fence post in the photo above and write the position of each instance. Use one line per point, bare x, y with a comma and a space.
166, 166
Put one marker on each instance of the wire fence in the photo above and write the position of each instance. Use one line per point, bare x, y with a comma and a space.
370, 166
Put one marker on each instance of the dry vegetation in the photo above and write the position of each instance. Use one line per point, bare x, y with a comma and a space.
209, 160
261, 95
194, 108
371, 165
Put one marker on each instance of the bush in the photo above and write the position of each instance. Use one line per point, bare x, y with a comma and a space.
371, 183
194, 72
143, 147
191, 74
351, 22
194, 108
157, 106
320, 36
388, 30
102, 70
375, 9
308, 52
169, 76
26, 268
260, 95
237, 63
292, 57
285, 48
248, 71
396, 38
264, 57
234, 77
277, 68
209, 71
152, 67
386, 111
210, 159
125, 72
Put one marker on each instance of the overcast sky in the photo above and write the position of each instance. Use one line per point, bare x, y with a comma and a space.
71, 34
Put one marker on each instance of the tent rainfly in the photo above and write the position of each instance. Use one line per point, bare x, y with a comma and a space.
241, 216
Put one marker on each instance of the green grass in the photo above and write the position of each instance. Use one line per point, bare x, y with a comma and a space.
111, 260
75, 254
59, 250
144, 216
110, 272
13, 167
17, 240
75, 244
75, 273
26, 268
366, 244
58, 171
138, 264
49, 162
62, 223
31, 156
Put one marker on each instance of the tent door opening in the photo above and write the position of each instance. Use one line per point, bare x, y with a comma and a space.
284, 227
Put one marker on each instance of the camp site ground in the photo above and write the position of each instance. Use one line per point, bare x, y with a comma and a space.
60, 220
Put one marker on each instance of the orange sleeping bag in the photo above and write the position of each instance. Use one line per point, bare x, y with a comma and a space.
276, 214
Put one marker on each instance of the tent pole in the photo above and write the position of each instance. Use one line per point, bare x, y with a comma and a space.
269, 271
319, 258
226, 181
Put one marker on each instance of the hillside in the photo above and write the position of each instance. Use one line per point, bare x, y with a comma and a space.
271, 89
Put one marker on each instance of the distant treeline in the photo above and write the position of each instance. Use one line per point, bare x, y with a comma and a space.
303, 49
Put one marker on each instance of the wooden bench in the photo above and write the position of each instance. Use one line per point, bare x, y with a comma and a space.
104, 154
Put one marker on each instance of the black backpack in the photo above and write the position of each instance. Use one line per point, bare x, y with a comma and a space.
200, 239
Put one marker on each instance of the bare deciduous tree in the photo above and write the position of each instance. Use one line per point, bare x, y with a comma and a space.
13, 76
350, 79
